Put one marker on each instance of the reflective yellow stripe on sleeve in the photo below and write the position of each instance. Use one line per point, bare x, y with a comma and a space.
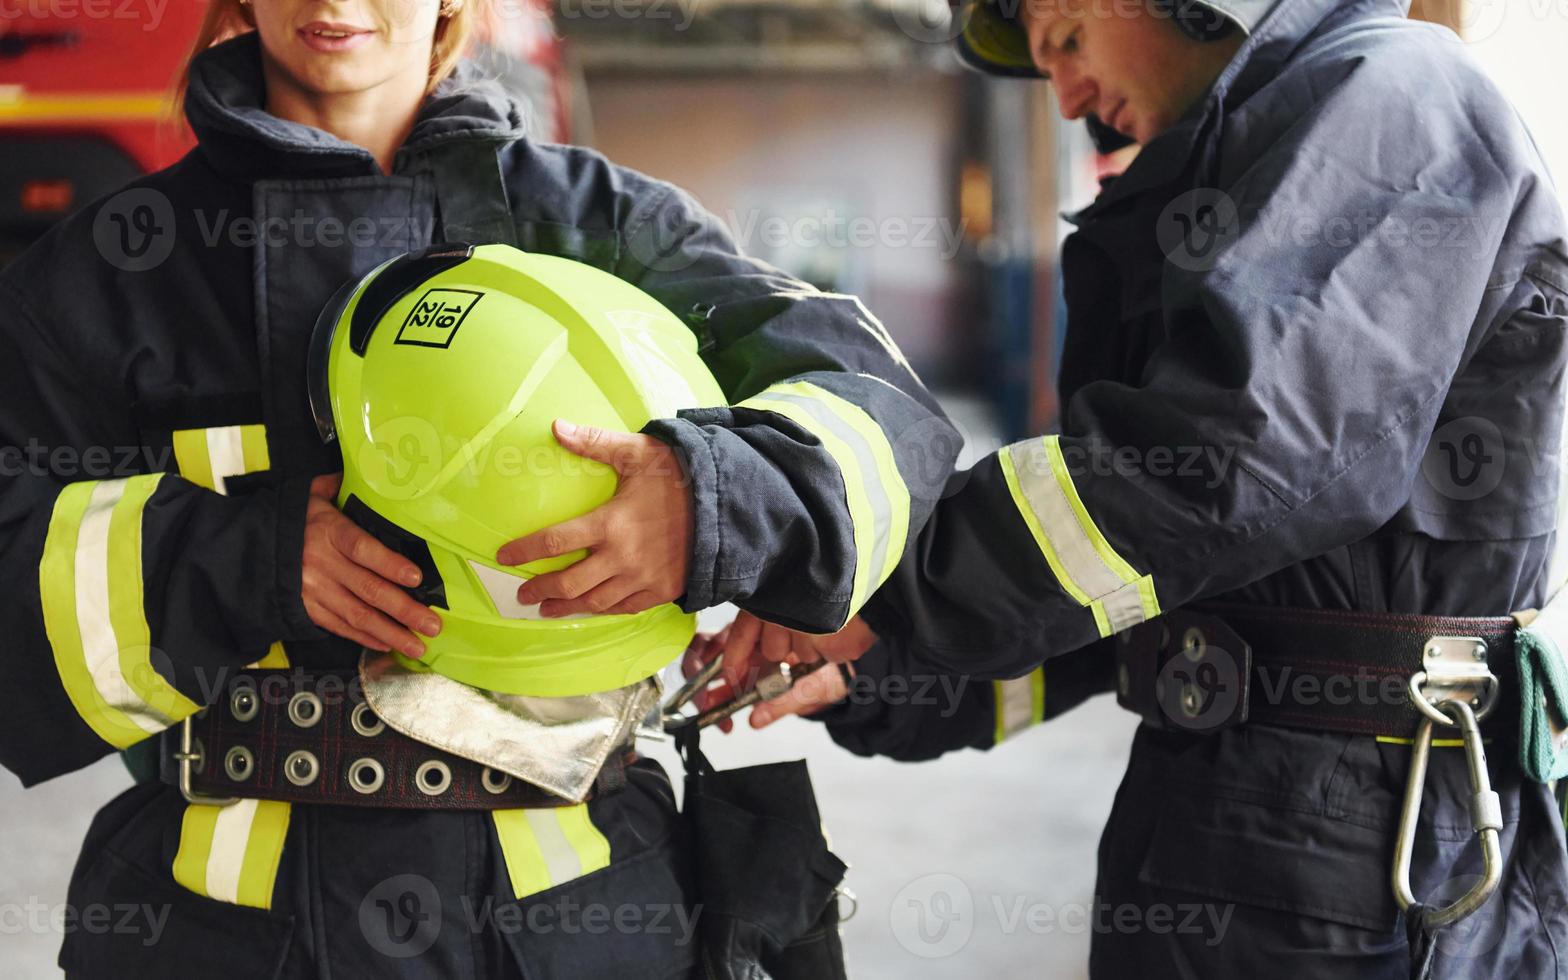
208, 457
1080, 557
1020, 704
548, 846
90, 587
231, 853
875, 492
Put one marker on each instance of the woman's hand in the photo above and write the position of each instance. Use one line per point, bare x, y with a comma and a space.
639, 541
352, 584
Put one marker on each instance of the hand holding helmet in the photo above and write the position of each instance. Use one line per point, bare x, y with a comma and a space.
639, 541
350, 582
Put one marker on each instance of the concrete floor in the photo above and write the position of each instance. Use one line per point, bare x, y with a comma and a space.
949, 859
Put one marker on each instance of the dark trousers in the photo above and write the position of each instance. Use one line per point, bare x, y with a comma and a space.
1267, 853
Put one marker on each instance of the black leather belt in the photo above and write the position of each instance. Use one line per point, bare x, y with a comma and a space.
309, 737
1213, 666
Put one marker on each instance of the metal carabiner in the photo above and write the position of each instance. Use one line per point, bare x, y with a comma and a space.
1486, 815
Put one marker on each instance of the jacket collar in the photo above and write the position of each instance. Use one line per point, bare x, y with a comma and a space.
225, 107
1277, 29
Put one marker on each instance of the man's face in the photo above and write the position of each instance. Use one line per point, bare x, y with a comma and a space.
1132, 68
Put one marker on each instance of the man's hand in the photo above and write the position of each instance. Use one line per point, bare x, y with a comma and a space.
639, 541
352, 584
751, 646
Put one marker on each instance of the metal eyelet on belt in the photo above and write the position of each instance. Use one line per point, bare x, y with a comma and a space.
366, 775
305, 709
365, 721
240, 763
1193, 644
244, 703
495, 782
433, 778
301, 767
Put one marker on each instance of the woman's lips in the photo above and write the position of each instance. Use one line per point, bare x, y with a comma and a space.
331, 38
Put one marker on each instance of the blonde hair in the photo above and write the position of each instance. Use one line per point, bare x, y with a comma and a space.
230, 18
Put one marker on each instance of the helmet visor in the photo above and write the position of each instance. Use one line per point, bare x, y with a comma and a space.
318, 361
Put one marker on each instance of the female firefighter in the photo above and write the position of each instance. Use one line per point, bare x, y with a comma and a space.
172, 544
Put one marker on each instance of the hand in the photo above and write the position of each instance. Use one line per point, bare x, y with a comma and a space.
352, 584
749, 645
639, 541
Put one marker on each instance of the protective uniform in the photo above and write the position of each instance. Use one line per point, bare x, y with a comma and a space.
159, 449
1314, 359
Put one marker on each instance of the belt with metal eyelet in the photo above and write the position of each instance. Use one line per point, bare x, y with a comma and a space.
1212, 666
309, 737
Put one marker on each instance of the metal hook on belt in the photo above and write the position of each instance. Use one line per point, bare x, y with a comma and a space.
1486, 813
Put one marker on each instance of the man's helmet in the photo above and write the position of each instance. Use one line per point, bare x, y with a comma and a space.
991, 38
439, 373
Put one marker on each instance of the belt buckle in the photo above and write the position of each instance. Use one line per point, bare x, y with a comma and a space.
188, 758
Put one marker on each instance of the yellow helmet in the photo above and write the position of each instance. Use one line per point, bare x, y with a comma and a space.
439, 373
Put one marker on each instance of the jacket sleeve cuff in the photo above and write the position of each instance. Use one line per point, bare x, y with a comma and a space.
702, 477
293, 501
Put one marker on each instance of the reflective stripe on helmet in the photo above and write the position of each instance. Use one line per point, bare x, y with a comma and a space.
1020, 704
877, 497
231, 853
91, 592
548, 846
1081, 558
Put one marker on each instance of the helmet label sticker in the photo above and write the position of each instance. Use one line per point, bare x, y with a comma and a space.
434, 320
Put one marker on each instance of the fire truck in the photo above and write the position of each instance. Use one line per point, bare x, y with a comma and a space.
87, 90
